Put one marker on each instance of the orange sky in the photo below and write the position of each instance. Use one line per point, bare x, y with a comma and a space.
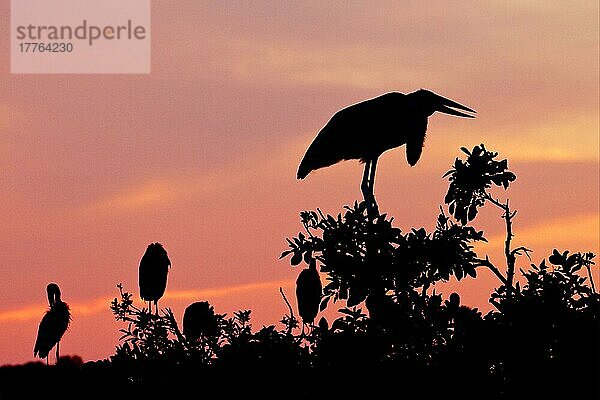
201, 154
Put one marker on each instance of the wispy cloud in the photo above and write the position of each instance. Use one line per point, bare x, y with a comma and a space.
98, 305
304, 64
186, 187
571, 231
570, 138
148, 194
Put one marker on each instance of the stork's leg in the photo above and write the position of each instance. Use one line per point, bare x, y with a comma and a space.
57, 351
374, 206
365, 187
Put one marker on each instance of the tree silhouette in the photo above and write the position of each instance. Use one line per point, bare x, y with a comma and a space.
541, 339
551, 327
369, 260
390, 317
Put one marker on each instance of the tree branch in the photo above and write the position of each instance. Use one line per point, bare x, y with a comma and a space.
509, 254
525, 250
289, 331
173, 325
487, 263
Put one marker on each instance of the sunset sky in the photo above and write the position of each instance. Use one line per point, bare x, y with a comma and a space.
201, 154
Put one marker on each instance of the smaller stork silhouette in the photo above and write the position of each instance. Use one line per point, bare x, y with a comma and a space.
154, 267
365, 130
308, 294
199, 319
53, 325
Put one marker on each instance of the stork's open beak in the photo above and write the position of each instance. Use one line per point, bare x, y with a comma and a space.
445, 104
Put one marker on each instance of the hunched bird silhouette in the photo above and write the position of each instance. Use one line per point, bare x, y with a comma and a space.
365, 130
154, 267
308, 294
53, 325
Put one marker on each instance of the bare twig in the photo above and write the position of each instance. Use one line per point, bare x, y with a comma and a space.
175, 329
496, 304
289, 328
493, 201
524, 250
589, 271
509, 254
587, 261
487, 263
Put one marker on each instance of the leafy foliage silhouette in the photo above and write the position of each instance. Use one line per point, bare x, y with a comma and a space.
392, 326
471, 179
366, 259
545, 323
148, 336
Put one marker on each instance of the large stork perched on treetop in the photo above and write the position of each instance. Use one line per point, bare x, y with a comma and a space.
365, 130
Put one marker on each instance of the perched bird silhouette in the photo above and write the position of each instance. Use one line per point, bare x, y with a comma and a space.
308, 294
199, 320
53, 325
154, 267
453, 301
453, 304
365, 130
381, 307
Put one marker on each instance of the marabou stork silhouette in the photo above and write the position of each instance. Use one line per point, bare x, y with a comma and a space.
365, 130
53, 325
154, 267
453, 304
308, 294
199, 320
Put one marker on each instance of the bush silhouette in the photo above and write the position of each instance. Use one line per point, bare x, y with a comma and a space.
366, 260
392, 327
391, 320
